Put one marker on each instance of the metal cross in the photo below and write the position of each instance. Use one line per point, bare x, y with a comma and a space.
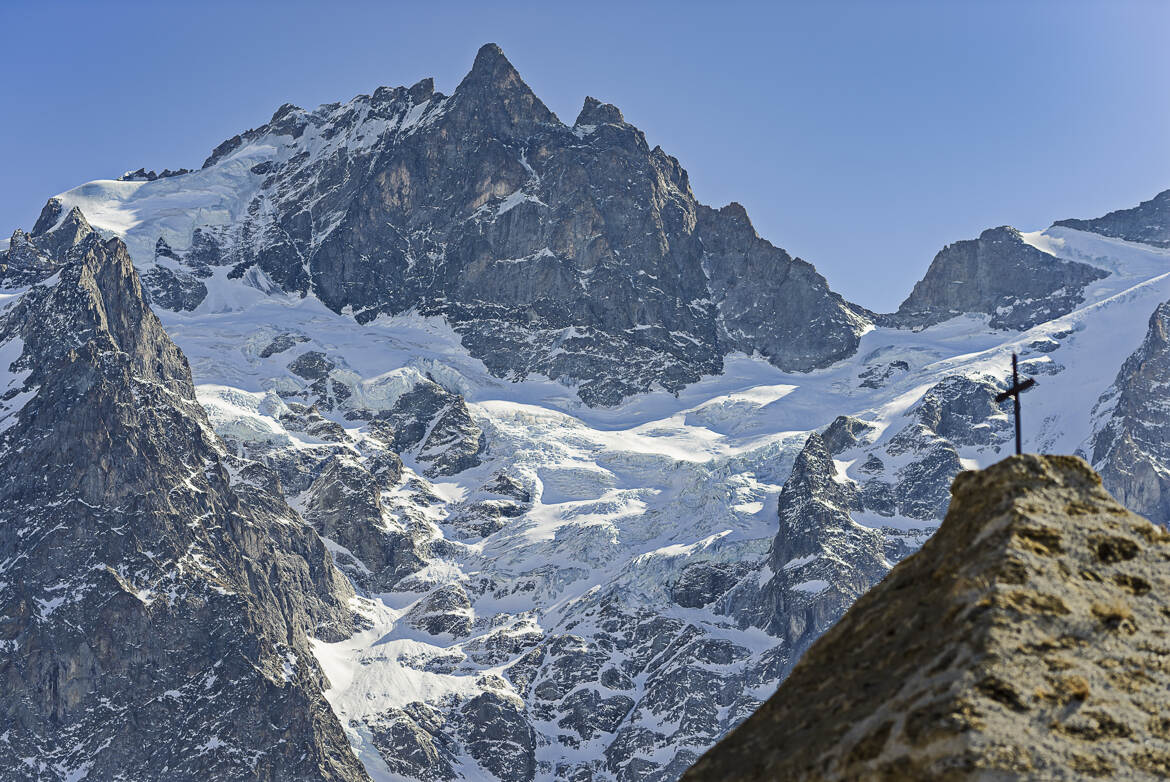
1014, 392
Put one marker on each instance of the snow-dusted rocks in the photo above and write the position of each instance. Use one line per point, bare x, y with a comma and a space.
1026, 640
154, 612
30, 258
821, 559
434, 426
998, 274
1132, 448
578, 253
1148, 222
393, 309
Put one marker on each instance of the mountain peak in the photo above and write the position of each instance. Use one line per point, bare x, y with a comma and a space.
594, 112
494, 96
999, 275
492, 67
1024, 627
1148, 222
48, 217
488, 55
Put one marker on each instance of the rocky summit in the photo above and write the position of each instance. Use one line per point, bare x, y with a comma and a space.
998, 274
1026, 640
577, 252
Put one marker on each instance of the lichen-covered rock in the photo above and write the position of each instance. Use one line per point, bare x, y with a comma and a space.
1025, 640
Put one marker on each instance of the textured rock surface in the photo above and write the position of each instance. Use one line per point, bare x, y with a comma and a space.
999, 275
434, 426
154, 613
32, 257
1132, 447
1148, 222
1027, 639
820, 561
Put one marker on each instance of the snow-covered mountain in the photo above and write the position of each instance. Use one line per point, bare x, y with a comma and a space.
598, 461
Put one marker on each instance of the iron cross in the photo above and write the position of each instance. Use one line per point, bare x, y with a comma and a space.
1014, 392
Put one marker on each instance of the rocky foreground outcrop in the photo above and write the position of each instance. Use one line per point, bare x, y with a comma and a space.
1027, 639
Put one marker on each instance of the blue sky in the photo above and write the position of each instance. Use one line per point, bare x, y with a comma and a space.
860, 136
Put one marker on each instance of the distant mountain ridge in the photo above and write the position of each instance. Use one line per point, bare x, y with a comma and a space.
1148, 222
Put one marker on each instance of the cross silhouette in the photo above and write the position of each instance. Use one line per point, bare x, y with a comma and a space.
1014, 392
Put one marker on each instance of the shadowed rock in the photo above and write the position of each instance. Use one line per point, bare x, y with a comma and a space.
1148, 222
577, 253
1132, 448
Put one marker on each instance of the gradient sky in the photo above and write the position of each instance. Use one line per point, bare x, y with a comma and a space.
860, 136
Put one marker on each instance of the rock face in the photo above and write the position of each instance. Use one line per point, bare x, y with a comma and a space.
155, 614
1148, 222
820, 561
434, 426
1132, 447
1025, 640
999, 275
578, 253
33, 257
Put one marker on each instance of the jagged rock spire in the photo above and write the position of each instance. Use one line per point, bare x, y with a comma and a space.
594, 112
493, 95
48, 217
155, 615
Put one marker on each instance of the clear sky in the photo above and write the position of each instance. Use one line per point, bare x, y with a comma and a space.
861, 136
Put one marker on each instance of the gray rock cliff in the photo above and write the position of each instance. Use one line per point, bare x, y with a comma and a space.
999, 275
1132, 446
578, 253
155, 612
1148, 222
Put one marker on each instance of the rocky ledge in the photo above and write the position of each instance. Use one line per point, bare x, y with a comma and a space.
1027, 639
